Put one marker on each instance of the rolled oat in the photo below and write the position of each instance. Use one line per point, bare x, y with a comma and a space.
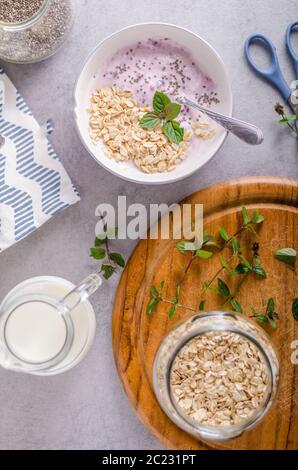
114, 119
219, 379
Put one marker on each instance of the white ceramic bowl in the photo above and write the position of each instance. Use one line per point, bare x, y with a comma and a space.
208, 62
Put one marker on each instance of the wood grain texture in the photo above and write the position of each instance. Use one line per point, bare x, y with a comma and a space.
136, 336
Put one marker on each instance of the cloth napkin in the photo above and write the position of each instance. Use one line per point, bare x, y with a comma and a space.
33, 183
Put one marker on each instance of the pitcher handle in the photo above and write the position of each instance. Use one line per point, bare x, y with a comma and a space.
80, 293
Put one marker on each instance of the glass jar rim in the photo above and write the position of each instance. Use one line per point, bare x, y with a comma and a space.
27, 23
211, 432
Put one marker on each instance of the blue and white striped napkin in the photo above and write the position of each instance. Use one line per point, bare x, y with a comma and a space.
33, 183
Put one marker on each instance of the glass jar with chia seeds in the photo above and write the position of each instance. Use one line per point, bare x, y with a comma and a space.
215, 375
33, 30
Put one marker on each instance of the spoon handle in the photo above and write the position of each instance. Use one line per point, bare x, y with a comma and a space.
245, 131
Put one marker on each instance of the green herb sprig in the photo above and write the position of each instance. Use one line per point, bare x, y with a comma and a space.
289, 120
243, 268
269, 316
101, 251
164, 113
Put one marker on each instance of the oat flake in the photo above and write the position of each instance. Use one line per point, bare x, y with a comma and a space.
219, 379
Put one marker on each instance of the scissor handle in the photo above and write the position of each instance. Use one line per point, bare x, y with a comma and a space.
293, 54
273, 74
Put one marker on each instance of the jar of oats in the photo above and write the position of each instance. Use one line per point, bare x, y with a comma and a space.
33, 30
215, 375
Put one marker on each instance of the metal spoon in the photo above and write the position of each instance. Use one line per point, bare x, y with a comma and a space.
245, 131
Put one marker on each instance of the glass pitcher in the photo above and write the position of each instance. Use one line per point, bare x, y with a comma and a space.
43, 333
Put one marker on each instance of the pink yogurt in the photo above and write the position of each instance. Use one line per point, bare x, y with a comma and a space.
164, 65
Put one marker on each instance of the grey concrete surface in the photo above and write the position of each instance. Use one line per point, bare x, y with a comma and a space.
86, 407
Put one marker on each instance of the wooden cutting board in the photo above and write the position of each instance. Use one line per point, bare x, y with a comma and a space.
137, 336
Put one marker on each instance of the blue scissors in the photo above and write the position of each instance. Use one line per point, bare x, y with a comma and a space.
273, 74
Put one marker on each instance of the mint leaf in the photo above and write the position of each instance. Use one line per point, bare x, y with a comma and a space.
289, 118
212, 244
272, 323
173, 131
204, 254
107, 270
235, 245
245, 215
257, 269
236, 306
150, 121
223, 288
160, 101
118, 259
245, 263
172, 311
286, 255
225, 265
99, 241
257, 218
240, 269
97, 253
202, 305
176, 298
223, 233
185, 246
172, 110
151, 306
295, 309
154, 292
261, 318
270, 306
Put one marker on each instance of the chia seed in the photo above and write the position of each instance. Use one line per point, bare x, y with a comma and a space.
42, 38
16, 11
164, 65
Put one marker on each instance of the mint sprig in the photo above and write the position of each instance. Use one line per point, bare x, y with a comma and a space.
164, 112
290, 120
111, 261
270, 316
235, 264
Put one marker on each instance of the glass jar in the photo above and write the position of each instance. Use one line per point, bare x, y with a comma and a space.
194, 327
39, 36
